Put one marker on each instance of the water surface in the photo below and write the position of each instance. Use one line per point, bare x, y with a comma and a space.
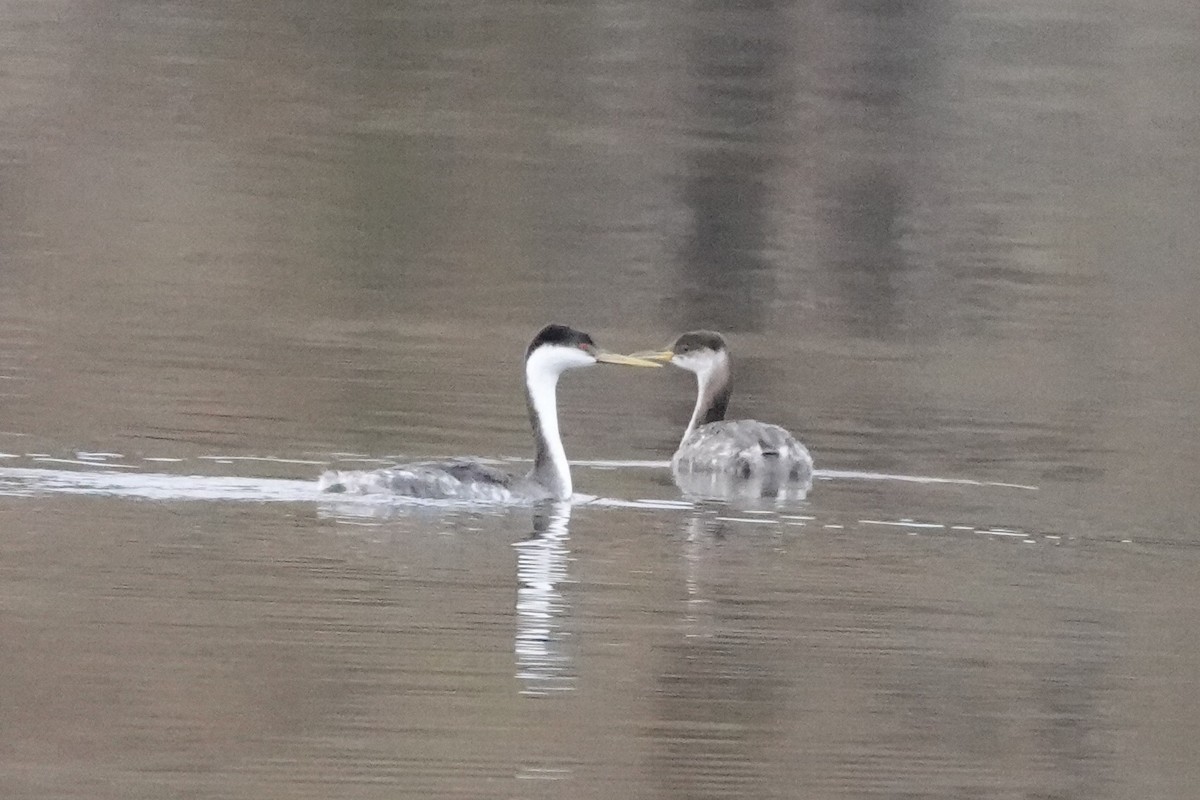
952, 244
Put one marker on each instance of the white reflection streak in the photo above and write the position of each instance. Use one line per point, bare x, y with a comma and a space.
698, 621
691, 555
542, 664
18, 481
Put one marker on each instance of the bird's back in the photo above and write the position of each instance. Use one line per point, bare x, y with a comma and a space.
743, 448
458, 479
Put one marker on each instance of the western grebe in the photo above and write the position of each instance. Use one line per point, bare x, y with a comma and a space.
555, 349
712, 445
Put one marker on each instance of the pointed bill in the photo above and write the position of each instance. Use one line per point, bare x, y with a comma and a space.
630, 361
657, 356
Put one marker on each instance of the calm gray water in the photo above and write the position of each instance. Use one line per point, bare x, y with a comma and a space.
953, 244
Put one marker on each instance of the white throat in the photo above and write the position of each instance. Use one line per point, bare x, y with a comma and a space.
712, 375
542, 369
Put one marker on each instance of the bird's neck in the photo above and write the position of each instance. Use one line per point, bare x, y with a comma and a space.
550, 467
713, 389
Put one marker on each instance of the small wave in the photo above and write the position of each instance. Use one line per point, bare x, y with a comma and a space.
17, 481
839, 474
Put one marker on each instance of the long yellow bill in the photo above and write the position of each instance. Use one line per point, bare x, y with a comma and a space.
629, 361
657, 356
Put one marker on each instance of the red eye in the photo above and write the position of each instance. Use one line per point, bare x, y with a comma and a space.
583, 347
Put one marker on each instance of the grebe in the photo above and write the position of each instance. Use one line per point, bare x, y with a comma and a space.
555, 349
733, 449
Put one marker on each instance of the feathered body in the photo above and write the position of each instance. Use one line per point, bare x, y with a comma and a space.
738, 449
743, 447
456, 479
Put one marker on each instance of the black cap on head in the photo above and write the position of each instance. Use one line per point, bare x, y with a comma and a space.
698, 340
560, 335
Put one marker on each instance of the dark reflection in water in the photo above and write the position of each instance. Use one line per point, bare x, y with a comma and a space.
948, 239
888, 65
735, 65
869, 212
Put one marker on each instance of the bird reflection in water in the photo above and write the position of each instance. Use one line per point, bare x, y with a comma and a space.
701, 532
746, 490
543, 664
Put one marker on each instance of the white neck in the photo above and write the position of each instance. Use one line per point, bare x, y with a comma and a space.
712, 380
696, 412
542, 368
